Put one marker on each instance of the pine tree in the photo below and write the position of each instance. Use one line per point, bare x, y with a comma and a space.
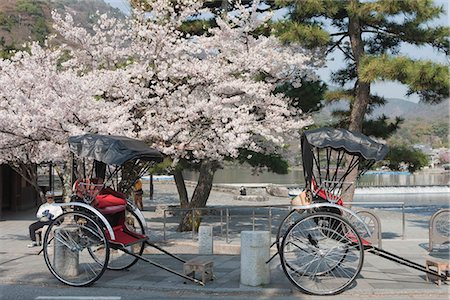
370, 35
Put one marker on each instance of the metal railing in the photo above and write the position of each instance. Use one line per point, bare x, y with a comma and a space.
227, 210
438, 228
224, 213
402, 204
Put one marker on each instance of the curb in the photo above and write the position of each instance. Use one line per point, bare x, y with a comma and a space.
244, 290
219, 247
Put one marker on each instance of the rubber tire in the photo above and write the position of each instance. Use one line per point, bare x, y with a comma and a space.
329, 292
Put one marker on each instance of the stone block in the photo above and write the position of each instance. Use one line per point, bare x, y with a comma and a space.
277, 191
255, 251
253, 198
205, 239
66, 261
201, 265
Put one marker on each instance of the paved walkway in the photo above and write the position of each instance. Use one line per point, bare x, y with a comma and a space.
379, 278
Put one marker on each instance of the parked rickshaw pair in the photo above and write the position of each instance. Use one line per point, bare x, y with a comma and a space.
320, 242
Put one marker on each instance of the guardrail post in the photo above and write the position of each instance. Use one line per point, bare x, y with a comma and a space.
403, 221
221, 222
227, 215
253, 219
164, 225
270, 221
192, 223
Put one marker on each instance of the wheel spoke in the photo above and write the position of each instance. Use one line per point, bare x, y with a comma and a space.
72, 256
319, 256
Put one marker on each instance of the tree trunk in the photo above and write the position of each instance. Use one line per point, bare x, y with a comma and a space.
151, 188
362, 92
29, 173
362, 89
181, 188
64, 174
200, 196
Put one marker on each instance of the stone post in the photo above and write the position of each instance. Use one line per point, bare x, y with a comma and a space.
205, 239
66, 260
255, 251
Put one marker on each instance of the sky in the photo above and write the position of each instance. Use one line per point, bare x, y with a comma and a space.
381, 88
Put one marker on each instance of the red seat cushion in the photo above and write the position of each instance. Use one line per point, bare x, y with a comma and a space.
109, 210
110, 191
106, 200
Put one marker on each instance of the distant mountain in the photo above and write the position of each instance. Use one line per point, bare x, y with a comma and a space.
410, 110
395, 108
30, 20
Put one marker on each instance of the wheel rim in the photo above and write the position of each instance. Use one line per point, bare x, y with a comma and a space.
322, 254
68, 244
287, 222
119, 260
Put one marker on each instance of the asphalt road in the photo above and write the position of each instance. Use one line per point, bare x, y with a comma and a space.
43, 292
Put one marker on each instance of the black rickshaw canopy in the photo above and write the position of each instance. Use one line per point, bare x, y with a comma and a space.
112, 150
330, 154
354, 143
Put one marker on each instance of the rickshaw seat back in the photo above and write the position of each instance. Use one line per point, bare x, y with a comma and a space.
104, 199
325, 195
109, 198
88, 187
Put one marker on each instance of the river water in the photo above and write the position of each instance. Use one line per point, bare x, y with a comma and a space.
295, 177
420, 192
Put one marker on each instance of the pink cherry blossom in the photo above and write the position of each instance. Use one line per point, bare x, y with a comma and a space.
198, 97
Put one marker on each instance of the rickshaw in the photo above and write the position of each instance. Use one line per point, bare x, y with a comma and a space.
320, 242
100, 229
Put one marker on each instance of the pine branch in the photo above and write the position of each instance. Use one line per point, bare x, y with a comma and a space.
339, 33
335, 45
347, 54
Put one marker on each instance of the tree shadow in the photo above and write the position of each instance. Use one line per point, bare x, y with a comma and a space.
419, 223
389, 235
25, 215
15, 237
440, 251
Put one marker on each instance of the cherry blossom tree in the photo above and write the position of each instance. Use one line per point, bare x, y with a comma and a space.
201, 98
198, 98
43, 101
444, 156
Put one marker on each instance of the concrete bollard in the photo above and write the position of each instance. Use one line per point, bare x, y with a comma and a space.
255, 251
66, 261
205, 239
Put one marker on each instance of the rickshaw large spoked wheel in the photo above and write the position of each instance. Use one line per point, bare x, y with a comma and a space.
286, 223
68, 245
118, 259
322, 254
